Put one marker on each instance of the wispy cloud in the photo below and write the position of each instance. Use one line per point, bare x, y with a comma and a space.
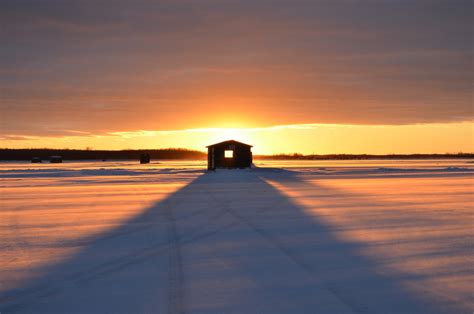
17, 138
99, 68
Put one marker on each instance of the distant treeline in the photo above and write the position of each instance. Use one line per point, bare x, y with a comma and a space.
365, 156
79, 154
181, 153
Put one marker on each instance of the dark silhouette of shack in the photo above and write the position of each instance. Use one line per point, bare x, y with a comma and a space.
229, 154
36, 160
55, 159
145, 158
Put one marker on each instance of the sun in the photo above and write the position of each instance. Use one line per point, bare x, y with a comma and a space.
224, 134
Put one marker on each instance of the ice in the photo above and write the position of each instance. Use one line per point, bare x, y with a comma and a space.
283, 237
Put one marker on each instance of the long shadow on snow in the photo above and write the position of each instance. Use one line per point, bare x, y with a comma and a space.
226, 242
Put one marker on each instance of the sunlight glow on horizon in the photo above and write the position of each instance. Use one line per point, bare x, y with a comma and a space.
297, 138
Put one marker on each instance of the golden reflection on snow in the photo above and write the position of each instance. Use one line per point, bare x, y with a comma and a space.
418, 228
46, 220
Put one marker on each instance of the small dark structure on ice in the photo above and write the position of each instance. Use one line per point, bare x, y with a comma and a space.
36, 160
229, 154
55, 159
145, 158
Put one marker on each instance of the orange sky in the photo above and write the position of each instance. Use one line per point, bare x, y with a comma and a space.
293, 76
306, 139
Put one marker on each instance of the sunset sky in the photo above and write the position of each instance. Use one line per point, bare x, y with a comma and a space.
290, 76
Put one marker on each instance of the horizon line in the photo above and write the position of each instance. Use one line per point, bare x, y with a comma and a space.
297, 154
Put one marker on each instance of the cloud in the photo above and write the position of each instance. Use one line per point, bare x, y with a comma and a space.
96, 67
16, 138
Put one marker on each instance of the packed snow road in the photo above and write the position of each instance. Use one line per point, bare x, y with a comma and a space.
175, 239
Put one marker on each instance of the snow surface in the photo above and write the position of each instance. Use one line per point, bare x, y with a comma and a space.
285, 237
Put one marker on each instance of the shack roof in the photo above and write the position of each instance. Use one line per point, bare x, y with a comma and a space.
230, 142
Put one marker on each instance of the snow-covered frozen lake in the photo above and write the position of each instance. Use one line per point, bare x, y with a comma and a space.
285, 237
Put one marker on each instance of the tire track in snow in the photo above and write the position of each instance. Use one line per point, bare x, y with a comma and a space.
19, 298
22, 297
224, 205
175, 268
352, 305
173, 248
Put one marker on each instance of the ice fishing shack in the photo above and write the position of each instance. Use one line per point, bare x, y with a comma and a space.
229, 154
